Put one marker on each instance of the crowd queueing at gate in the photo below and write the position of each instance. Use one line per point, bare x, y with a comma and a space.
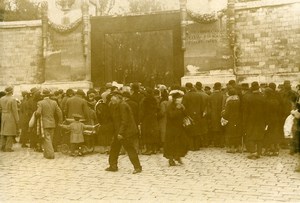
258, 119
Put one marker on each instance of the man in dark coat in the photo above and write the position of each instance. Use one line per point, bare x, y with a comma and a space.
254, 119
10, 120
193, 103
24, 120
215, 110
203, 120
77, 105
125, 132
47, 110
274, 131
135, 111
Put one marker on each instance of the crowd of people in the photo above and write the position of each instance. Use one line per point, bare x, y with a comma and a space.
140, 120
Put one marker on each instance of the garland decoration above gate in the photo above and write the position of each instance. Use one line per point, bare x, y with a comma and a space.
65, 28
205, 18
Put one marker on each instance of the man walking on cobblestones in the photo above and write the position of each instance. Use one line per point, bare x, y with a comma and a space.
125, 131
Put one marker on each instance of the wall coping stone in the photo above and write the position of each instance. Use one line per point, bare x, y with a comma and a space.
20, 24
263, 3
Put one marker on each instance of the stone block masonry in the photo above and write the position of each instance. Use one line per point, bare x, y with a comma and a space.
268, 40
21, 53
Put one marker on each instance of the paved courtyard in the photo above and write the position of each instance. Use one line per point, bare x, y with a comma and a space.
207, 175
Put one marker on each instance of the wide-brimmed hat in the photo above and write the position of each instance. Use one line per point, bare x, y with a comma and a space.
217, 86
254, 86
245, 86
46, 92
9, 89
33, 90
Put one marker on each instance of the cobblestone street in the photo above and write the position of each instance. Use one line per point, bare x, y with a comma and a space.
207, 175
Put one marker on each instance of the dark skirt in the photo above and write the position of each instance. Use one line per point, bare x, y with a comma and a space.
175, 144
105, 134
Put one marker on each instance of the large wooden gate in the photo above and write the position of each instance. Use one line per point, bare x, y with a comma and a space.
144, 48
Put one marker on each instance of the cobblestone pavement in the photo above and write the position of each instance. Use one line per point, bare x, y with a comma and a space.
207, 175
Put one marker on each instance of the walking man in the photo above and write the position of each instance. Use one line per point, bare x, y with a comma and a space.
48, 110
125, 132
10, 120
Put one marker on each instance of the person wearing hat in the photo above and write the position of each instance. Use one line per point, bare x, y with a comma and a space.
31, 106
194, 107
124, 135
76, 137
69, 94
273, 133
215, 105
254, 120
24, 120
135, 111
149, 109
77, 105
47, 111
176, 142
10, 120
232, 115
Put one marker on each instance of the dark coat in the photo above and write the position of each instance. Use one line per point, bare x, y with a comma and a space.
49, 109
10, 116
175, 144
233, 116
254, 115
77, 105
106, 128
123, 120
193, 103
135, 110
215, 110
149, 120
204, 119
274, 133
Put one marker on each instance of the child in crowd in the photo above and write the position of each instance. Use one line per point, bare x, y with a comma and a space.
76, 137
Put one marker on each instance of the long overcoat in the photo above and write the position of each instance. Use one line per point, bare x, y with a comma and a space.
233, 116
175, 144
123, 120
215, 103
274, 133
10, 115
193, 103
254, 116
106, 128
149, 120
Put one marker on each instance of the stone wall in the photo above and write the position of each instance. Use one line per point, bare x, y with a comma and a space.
268, 40
21, 53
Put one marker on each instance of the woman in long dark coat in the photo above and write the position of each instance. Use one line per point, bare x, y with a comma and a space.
175, 145
149, 123
232, 115
275, 130
106, 128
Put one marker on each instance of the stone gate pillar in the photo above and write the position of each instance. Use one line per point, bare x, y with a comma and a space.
66, 44
208, 56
